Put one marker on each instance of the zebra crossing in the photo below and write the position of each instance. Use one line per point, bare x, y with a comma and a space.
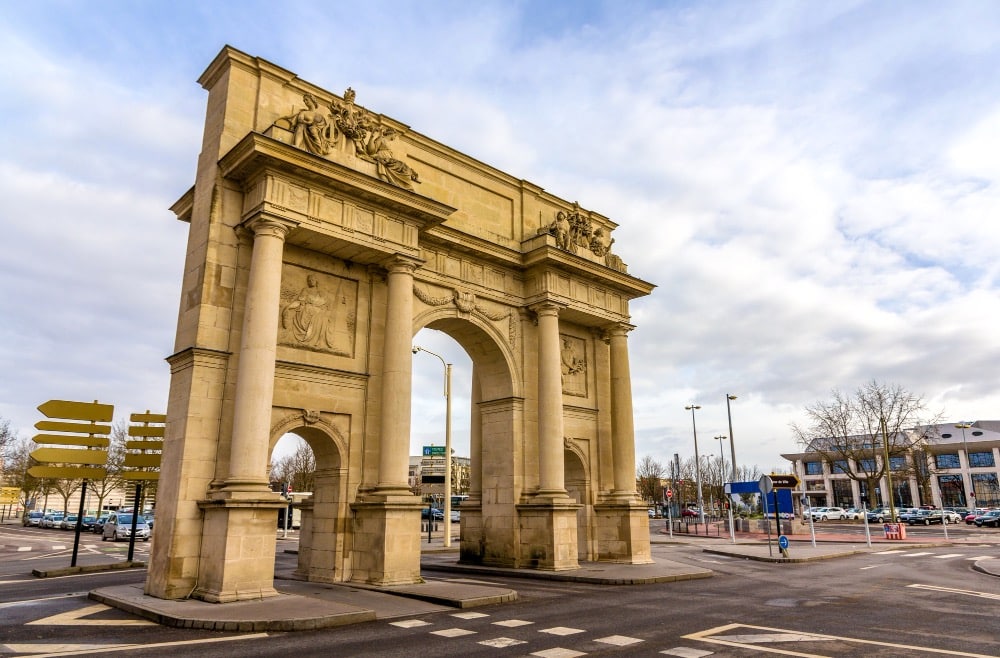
505, 633
931, 555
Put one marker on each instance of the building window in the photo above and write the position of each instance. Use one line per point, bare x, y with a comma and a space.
814, 468
840, 466
978, 459
947, 460
952, 491
987, 489
843, 496
867, 465
897, 463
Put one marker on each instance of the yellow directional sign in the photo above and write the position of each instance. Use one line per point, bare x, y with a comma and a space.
142, 461
146, 430
144, 445
784, 481
141, 475
79, 428
63, 440
67, 472
69, 456
148, 418
9, 495
91, 411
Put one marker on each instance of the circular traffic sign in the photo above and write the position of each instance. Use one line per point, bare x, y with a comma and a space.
783, 542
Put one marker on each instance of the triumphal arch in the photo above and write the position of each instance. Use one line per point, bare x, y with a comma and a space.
322, 236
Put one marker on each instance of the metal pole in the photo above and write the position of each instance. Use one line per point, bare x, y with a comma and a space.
697, 462
969, 495
732, 441
447, 444
79, 522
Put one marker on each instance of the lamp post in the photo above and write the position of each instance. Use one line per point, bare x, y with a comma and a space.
447, 446
697, 461
969, 494
732, 441
722, 458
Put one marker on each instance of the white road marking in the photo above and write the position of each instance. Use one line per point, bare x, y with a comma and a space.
76, 618
59, 648
954, 590
618, 640
14, 604
410, 623
947, 555
874, 566
470, 615
453, 632
982, 557
561, 630
890, 552
502, 642
686, 652
513, 623
558, 652
133, 647
915, 554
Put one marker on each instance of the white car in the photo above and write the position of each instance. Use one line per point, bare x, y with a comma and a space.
119, 527
854, 514
828, 514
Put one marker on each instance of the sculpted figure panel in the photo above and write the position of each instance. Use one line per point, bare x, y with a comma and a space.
318, 312
574, 365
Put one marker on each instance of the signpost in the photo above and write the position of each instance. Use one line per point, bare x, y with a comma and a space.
83, 462
149, 432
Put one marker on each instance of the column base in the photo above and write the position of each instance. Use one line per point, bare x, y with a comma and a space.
237, 548
548, 534
622, 531
387, 540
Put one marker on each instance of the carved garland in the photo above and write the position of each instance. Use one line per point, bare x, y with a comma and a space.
467, 304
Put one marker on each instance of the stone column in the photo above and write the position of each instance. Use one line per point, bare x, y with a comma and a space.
397, 367
622, 429
475, 440
551, 477
258, 349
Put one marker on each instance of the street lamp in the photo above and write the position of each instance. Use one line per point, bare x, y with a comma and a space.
965, 446
447, 446
722, 469
732, 442
722, 458
697, 461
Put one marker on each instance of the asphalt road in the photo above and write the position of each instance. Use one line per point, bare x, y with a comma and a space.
893, 602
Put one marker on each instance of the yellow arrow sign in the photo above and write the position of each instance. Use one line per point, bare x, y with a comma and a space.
148, 418
63, 440
8, 495
146, 430
79, 428
142, 461
144, 445
93, 411
141, 475
69, 456
68, 472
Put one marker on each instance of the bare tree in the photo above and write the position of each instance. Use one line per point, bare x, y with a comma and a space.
297, 469
867, 435
650, 474
8, 438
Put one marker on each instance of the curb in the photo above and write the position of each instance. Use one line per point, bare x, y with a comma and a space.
87, 568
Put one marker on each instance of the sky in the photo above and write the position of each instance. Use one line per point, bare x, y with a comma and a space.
813, 187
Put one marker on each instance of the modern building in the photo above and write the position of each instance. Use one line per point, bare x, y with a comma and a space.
946, 465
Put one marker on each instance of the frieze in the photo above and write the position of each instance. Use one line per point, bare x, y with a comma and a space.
342, 127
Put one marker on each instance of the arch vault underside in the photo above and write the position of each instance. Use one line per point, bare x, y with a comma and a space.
319, 242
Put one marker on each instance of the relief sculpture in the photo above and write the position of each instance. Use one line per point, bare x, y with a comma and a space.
574, 366
346, 127
574, 231
319, 315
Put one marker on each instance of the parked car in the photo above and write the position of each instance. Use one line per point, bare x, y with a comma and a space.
87, 523
690, 511
32, 518
436, 513
456, 516
881, 515
52, 520
854, 513
952, 516
68, 522
925, 516
990, 519
119, 526
906, 512
970, 518
652, 513
828, 514
98, 526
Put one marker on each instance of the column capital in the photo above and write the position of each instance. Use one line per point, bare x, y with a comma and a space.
265, 226
546, 308
402, 265
618, 329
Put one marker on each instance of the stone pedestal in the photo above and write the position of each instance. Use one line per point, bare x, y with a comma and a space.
548, 535
387, 541
622, 532
240, 531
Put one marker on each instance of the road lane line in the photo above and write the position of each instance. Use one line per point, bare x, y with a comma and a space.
955, 590
157, 645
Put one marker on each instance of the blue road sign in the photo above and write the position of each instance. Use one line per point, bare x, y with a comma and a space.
783, 542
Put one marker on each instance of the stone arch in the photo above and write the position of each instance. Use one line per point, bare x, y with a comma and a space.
578, 487
325, 532
297, 314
